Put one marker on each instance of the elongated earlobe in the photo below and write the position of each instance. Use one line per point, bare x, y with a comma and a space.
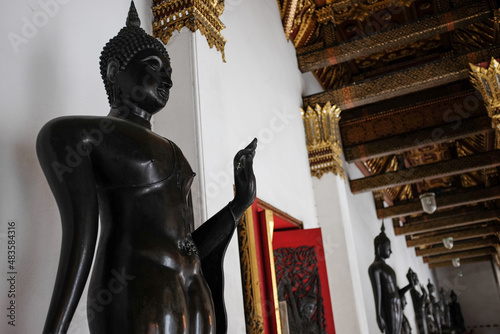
112, 70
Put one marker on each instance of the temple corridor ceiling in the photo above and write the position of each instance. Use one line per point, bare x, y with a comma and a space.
415, 116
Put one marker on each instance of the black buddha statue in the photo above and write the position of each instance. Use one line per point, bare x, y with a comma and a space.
457, 319
386, 292
153, 273
406, 328
434, 301
445, 308
418, 300
431, 324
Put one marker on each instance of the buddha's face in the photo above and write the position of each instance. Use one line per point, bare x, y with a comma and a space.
385, 250
413, 278
146, 81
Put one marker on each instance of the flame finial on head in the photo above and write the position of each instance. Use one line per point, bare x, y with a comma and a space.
133, 19
381, 239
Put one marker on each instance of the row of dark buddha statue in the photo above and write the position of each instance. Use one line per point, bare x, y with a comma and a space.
433, 315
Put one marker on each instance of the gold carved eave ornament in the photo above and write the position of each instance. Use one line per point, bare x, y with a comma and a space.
323, 139
301, 18
487, 82
338, 11
202, 15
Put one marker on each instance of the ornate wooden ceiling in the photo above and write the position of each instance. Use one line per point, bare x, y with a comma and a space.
411, 120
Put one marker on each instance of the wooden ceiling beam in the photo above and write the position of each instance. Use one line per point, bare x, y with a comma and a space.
387, 198
391, 118
424, 100
458, 246
444, 201
394, 38
447, 214
407, 141
461, 255
420, 173
483, 258
417, 78
442, 224
462, 235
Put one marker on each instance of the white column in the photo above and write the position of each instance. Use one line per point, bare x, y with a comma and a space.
343, 274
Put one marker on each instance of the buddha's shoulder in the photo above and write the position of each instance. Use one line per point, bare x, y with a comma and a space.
67, 123
71, 130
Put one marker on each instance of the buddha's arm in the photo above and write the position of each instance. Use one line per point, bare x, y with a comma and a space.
213, 237
405, 289
75, 194
244, 180
377, 293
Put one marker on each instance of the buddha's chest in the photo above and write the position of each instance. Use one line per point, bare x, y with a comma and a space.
137, 157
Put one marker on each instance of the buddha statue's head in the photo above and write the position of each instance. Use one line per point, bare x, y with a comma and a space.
382, 244
412, 277
430, 287
453, 296
135, 68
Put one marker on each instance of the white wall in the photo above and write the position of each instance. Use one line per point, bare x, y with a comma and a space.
477, 293
54, 71
340, 254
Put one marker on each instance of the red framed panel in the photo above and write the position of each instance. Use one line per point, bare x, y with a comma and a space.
262, 230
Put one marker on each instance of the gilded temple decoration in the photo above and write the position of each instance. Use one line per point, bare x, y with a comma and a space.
254, 319
299, 21
339, 11
399, 83
487, 82
202, 15
301, 17
323, 139
474, 36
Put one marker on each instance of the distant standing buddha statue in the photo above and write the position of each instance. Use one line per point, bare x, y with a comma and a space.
419, 300
445, 309
435, 306
387, 295
165, 277
457, 319
406, 329
431, 324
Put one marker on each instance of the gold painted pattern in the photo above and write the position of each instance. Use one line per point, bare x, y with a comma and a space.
339, 11
254, 319
403, 82
487, 82
202, 15
323, 139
